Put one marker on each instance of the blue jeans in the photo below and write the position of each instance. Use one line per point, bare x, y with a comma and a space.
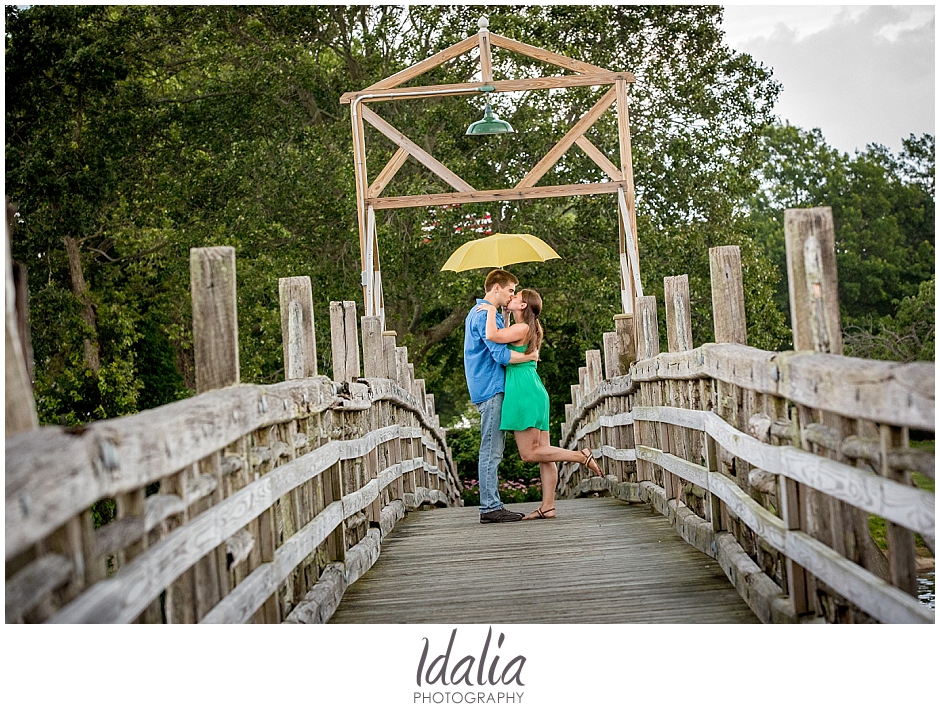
492, 442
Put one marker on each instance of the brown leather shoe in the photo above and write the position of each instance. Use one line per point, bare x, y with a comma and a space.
500, 515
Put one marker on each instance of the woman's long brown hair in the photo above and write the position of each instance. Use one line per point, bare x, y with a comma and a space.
530, 316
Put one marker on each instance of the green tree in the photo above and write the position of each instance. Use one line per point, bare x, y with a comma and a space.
883, 209
222, 125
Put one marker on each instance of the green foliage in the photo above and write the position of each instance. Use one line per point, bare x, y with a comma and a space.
140, 132
906, 336
883, 209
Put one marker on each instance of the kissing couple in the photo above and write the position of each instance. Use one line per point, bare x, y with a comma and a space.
500, 365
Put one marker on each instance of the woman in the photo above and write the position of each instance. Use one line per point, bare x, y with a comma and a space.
525, 403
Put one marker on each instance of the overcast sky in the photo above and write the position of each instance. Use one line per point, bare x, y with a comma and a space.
861, 73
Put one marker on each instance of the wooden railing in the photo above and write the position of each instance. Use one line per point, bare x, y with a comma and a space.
243, 503
770, 462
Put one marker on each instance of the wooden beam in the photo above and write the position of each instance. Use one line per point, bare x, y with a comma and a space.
600, 78
418, 69
599, 158
388, 172
626, 154
362, 181
486, 60
418, 153
502, 195
543, 55
632, 249
579, 129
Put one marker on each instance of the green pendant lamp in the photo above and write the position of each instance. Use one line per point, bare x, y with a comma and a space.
490, 124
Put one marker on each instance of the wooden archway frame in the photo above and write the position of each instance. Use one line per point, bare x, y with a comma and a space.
369, 199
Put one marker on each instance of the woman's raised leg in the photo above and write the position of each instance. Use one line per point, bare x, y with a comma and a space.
534, 448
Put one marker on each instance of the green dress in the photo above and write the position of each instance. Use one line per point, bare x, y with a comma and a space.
525, 403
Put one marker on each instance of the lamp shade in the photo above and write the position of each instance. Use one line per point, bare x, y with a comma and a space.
490, 124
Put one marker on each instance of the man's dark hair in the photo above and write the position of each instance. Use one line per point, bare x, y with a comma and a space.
499, 277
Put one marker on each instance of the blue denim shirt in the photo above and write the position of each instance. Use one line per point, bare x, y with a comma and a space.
484, 362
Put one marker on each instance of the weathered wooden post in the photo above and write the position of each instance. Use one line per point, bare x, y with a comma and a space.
395, 414
344, 341
215, 348
344, 345
611, 355
298, 332
613, 435
374, 367
647, 340
813, 280
727, 294
679, 339
594, 373
215, 320
814, 311
411, 479
593, 376
678, 313
625, 326
388, 347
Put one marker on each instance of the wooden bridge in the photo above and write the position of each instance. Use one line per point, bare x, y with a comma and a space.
266, 503
738, 483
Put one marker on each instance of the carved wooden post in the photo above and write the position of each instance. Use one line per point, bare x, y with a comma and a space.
298, 333
215, 320
727, 294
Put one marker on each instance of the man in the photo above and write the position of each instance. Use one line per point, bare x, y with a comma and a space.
484, 365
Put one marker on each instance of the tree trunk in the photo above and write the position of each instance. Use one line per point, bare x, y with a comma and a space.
80, 289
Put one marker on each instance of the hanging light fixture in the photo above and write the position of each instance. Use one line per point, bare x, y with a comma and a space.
490, 124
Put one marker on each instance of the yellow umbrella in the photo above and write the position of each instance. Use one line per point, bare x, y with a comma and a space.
499, 250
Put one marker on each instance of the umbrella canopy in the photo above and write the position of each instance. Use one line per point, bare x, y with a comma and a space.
499, 250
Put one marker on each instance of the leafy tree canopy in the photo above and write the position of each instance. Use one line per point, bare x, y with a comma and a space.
135, 133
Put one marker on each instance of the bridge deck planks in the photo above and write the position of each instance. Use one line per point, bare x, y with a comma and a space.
600, 561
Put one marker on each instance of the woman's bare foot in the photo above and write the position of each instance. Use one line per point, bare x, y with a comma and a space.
590, 462
540, 514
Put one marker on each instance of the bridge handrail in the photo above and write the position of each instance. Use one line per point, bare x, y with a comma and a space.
895, 501
244, 502
770, 462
